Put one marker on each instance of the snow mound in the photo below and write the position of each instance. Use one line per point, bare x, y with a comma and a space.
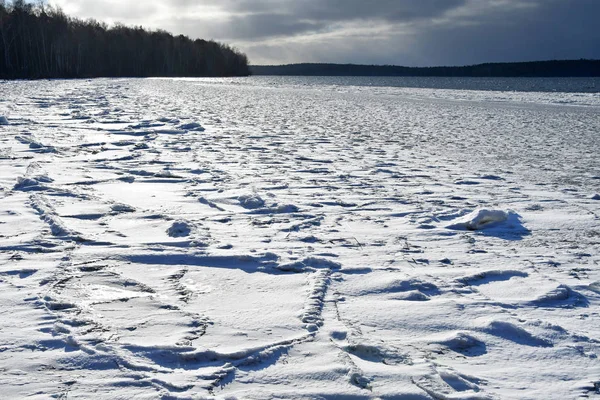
445, 383
166, 173
122, 208
191, 126
376, 352
34, 179
34, 144
561, 296
180, 229
491, 276
285, 209
462, 342
48, 214
311, 316
412, 295
167, 119
481, 219
209, 203
251, 201
560, 293
514, 333
277, 209
141, 146
3, 120
34, 183
309, 264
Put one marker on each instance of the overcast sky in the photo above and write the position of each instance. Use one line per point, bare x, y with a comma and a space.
403, 32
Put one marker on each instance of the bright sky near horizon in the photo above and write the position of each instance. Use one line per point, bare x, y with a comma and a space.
403, 32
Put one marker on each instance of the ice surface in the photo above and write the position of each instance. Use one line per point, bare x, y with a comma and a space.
256, 239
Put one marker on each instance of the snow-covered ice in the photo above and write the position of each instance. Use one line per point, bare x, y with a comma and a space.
257, 238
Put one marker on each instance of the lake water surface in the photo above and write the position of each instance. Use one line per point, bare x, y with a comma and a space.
565, 85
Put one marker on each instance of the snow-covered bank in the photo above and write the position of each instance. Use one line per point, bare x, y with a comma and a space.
197, 239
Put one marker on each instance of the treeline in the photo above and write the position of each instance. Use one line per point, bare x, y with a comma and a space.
40, 41
556, 68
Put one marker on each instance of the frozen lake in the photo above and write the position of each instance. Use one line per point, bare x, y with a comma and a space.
551, 85
272, 237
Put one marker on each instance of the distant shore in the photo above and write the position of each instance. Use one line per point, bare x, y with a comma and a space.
553, 68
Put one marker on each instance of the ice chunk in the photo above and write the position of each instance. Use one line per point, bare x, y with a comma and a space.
251, 201
480, 219
122, 208
180, 229
192, 126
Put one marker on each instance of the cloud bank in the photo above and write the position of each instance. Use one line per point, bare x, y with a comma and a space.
404, 32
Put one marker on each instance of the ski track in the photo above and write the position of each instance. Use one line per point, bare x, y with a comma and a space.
216, 238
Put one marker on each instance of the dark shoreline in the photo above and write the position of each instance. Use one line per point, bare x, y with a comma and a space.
542, 69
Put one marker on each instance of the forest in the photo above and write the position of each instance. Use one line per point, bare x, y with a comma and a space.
39, 41
554, 68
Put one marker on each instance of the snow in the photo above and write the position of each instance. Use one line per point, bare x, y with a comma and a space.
191, 126
256, 239
251, 201
485, 219
180, 229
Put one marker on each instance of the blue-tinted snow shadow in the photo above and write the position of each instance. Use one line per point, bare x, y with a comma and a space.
250, 264
475, 351
516, 334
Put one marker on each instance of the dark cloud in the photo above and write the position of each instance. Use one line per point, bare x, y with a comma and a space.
389, 10
345, 10
261, 19
250, 27
547, 29
407, 32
